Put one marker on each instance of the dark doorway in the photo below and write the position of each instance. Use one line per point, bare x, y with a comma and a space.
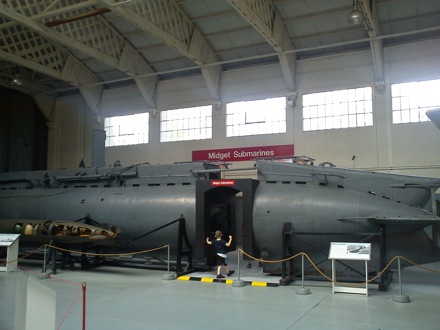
23, 133
220, 213
216, 209
220, 219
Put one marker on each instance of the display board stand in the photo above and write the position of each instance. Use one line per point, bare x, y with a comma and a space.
10, 242
349, 251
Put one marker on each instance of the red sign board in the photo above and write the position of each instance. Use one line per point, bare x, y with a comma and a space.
243, 154
222, 183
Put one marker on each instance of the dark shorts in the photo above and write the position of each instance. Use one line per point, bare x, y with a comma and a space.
222, 261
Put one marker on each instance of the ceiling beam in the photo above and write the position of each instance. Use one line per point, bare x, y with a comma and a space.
21, 83
263, 16
91, 36
166, 21
30, 50
371, 23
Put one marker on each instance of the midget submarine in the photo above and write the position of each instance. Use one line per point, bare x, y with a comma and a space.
285, 208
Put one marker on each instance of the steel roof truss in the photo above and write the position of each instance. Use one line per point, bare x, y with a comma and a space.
372, 27
91, 36
263, 16
27, 48
165, 20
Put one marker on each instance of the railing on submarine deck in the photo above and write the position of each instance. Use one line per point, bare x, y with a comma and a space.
182, 236
220, 170
294, 160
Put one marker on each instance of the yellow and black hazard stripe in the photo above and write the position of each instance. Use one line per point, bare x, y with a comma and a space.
225, 281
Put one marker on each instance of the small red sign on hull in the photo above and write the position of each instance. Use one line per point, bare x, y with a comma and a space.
222, 183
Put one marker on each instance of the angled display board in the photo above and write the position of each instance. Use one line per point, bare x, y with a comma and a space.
10, 243
350, 251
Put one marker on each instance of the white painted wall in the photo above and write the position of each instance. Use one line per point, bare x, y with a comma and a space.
406, 149
70, 133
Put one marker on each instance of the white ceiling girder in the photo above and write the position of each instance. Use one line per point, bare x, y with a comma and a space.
30, 64
59, 7
161, 19
130, 58
23, 84
266, 20
288, 67
76, 73
376, 50
56, 36
46, 104
49, 59
24, 87
71, 71
49, 10
287, 60
165, 21
211, 73
260, 14
104, 45
372, 27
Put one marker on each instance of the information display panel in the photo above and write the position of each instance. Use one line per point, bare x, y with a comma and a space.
9, 242
349, 251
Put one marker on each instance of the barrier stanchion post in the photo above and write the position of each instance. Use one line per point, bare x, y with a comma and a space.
238, 282
168, 276
302, 290
84, 306
43, 274
400, 298
44, 260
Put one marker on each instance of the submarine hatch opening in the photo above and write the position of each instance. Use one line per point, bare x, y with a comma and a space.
226, 208
220, 214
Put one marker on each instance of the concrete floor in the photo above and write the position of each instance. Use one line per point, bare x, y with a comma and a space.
132, 299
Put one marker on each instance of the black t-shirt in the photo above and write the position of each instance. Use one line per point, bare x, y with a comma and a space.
219, 246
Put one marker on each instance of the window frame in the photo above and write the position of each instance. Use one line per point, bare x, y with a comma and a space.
338, 109
186, 124
135, 130
411, 100
241, 118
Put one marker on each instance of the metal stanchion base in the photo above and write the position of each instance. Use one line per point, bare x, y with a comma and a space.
303, 291
238, 283
169, 276
401, 299
43, 276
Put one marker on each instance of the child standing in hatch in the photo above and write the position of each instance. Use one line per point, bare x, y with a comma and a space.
220, 246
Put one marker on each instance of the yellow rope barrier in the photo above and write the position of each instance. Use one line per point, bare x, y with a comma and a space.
328, 278
107, 254
87, 253
25, 256
31, 253
244, 253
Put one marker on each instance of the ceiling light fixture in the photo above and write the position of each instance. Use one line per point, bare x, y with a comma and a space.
355, 17
16, 80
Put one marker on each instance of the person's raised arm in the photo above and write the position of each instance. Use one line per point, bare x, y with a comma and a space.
208, 241
230, 241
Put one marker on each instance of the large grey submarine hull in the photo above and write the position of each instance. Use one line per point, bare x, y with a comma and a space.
320, 204
329, 204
